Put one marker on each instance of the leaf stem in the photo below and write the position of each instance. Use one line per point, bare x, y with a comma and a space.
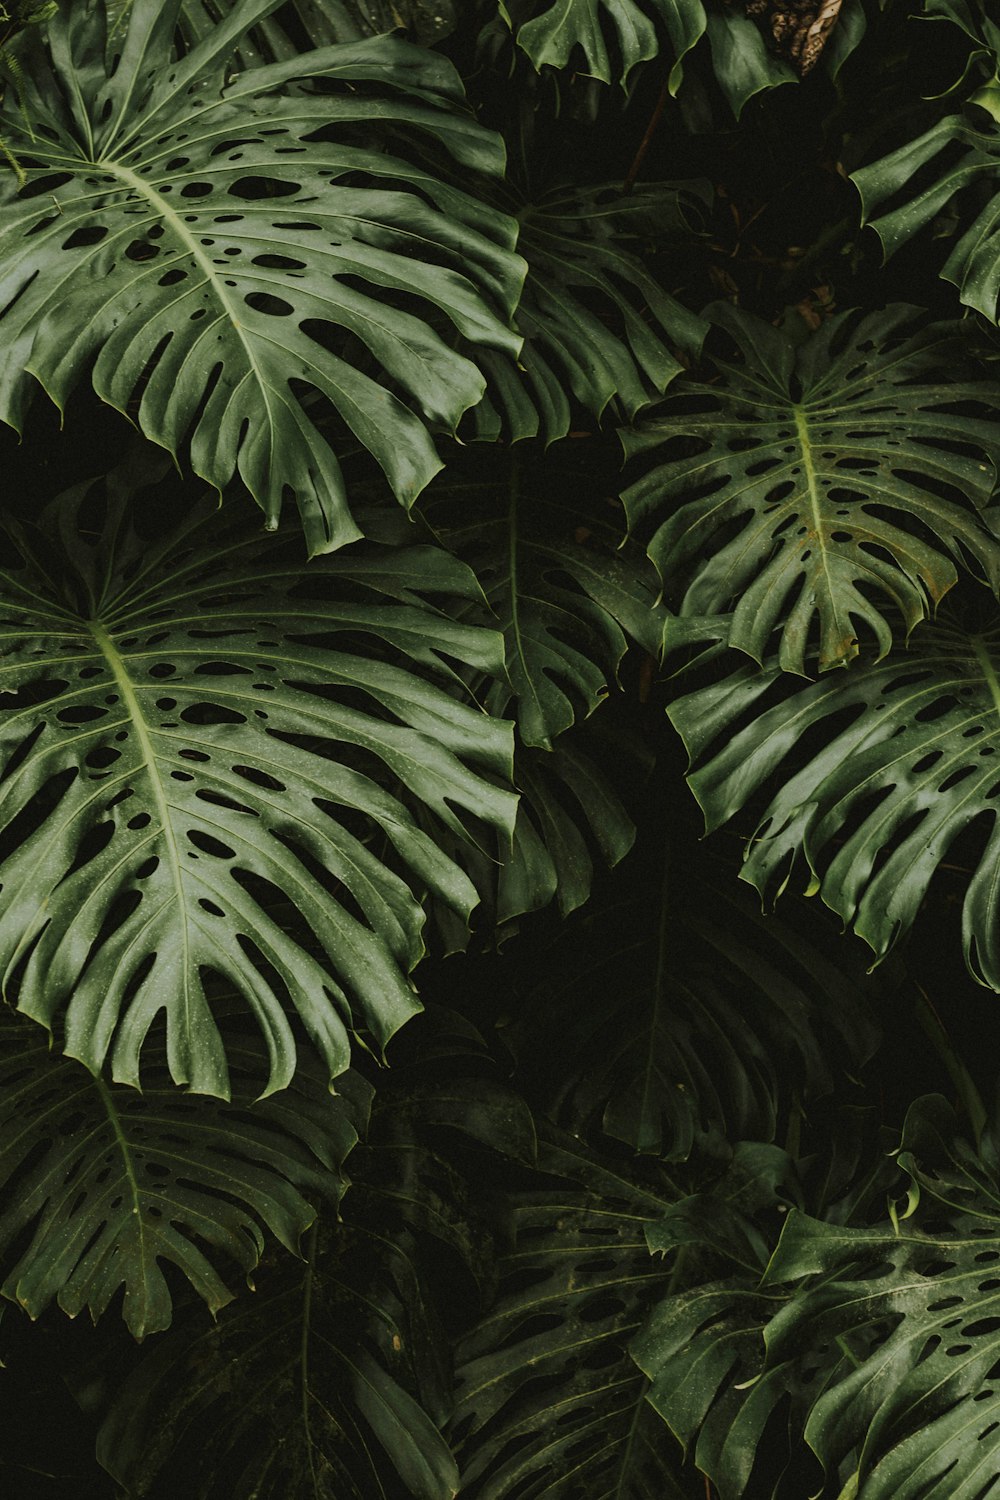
646, 142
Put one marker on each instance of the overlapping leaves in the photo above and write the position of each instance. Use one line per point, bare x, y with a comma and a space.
902, 761
819, 489
222, 254
910, 1407
203, 749
905, 191
608, 39
102, 1188
545, 545
549, 1399
598, 327
335, 1378
739, 1412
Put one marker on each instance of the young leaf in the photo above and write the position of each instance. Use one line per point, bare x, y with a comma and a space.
101, 1187
192, 730
222, 255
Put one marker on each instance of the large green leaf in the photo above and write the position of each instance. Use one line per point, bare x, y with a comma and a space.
550, 1403
598, 327
101, 1187
820, 488
911, 1406
236, 261
204, 744
679, 1012
901, 759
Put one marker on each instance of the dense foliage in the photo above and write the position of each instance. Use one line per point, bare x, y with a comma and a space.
426, 422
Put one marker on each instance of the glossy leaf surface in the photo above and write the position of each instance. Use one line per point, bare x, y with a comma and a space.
194, 729
221, 252
820, 489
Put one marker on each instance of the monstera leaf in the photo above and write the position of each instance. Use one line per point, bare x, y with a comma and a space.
901, 760
543, 539
597, 324
679, 1011
101, 1186
546, 1384
612, 37
203, 750
821, 488
739, 1412
911, 1407
237, 263
906, 190
334, 1378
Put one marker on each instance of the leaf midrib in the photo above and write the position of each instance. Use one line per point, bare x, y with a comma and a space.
147, 754
176, 224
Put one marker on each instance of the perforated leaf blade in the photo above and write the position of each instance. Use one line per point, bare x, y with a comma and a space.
550, 1403
905, 191
102, 1188
242, 263
914, 1308
902, 754
206, 751
834, 488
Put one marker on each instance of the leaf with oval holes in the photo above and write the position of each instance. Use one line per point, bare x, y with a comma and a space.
207, 747
914, 1307
822, 487
221, 257
903, 757
102, 1187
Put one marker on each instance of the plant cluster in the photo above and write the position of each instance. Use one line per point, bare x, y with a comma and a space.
425, 423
